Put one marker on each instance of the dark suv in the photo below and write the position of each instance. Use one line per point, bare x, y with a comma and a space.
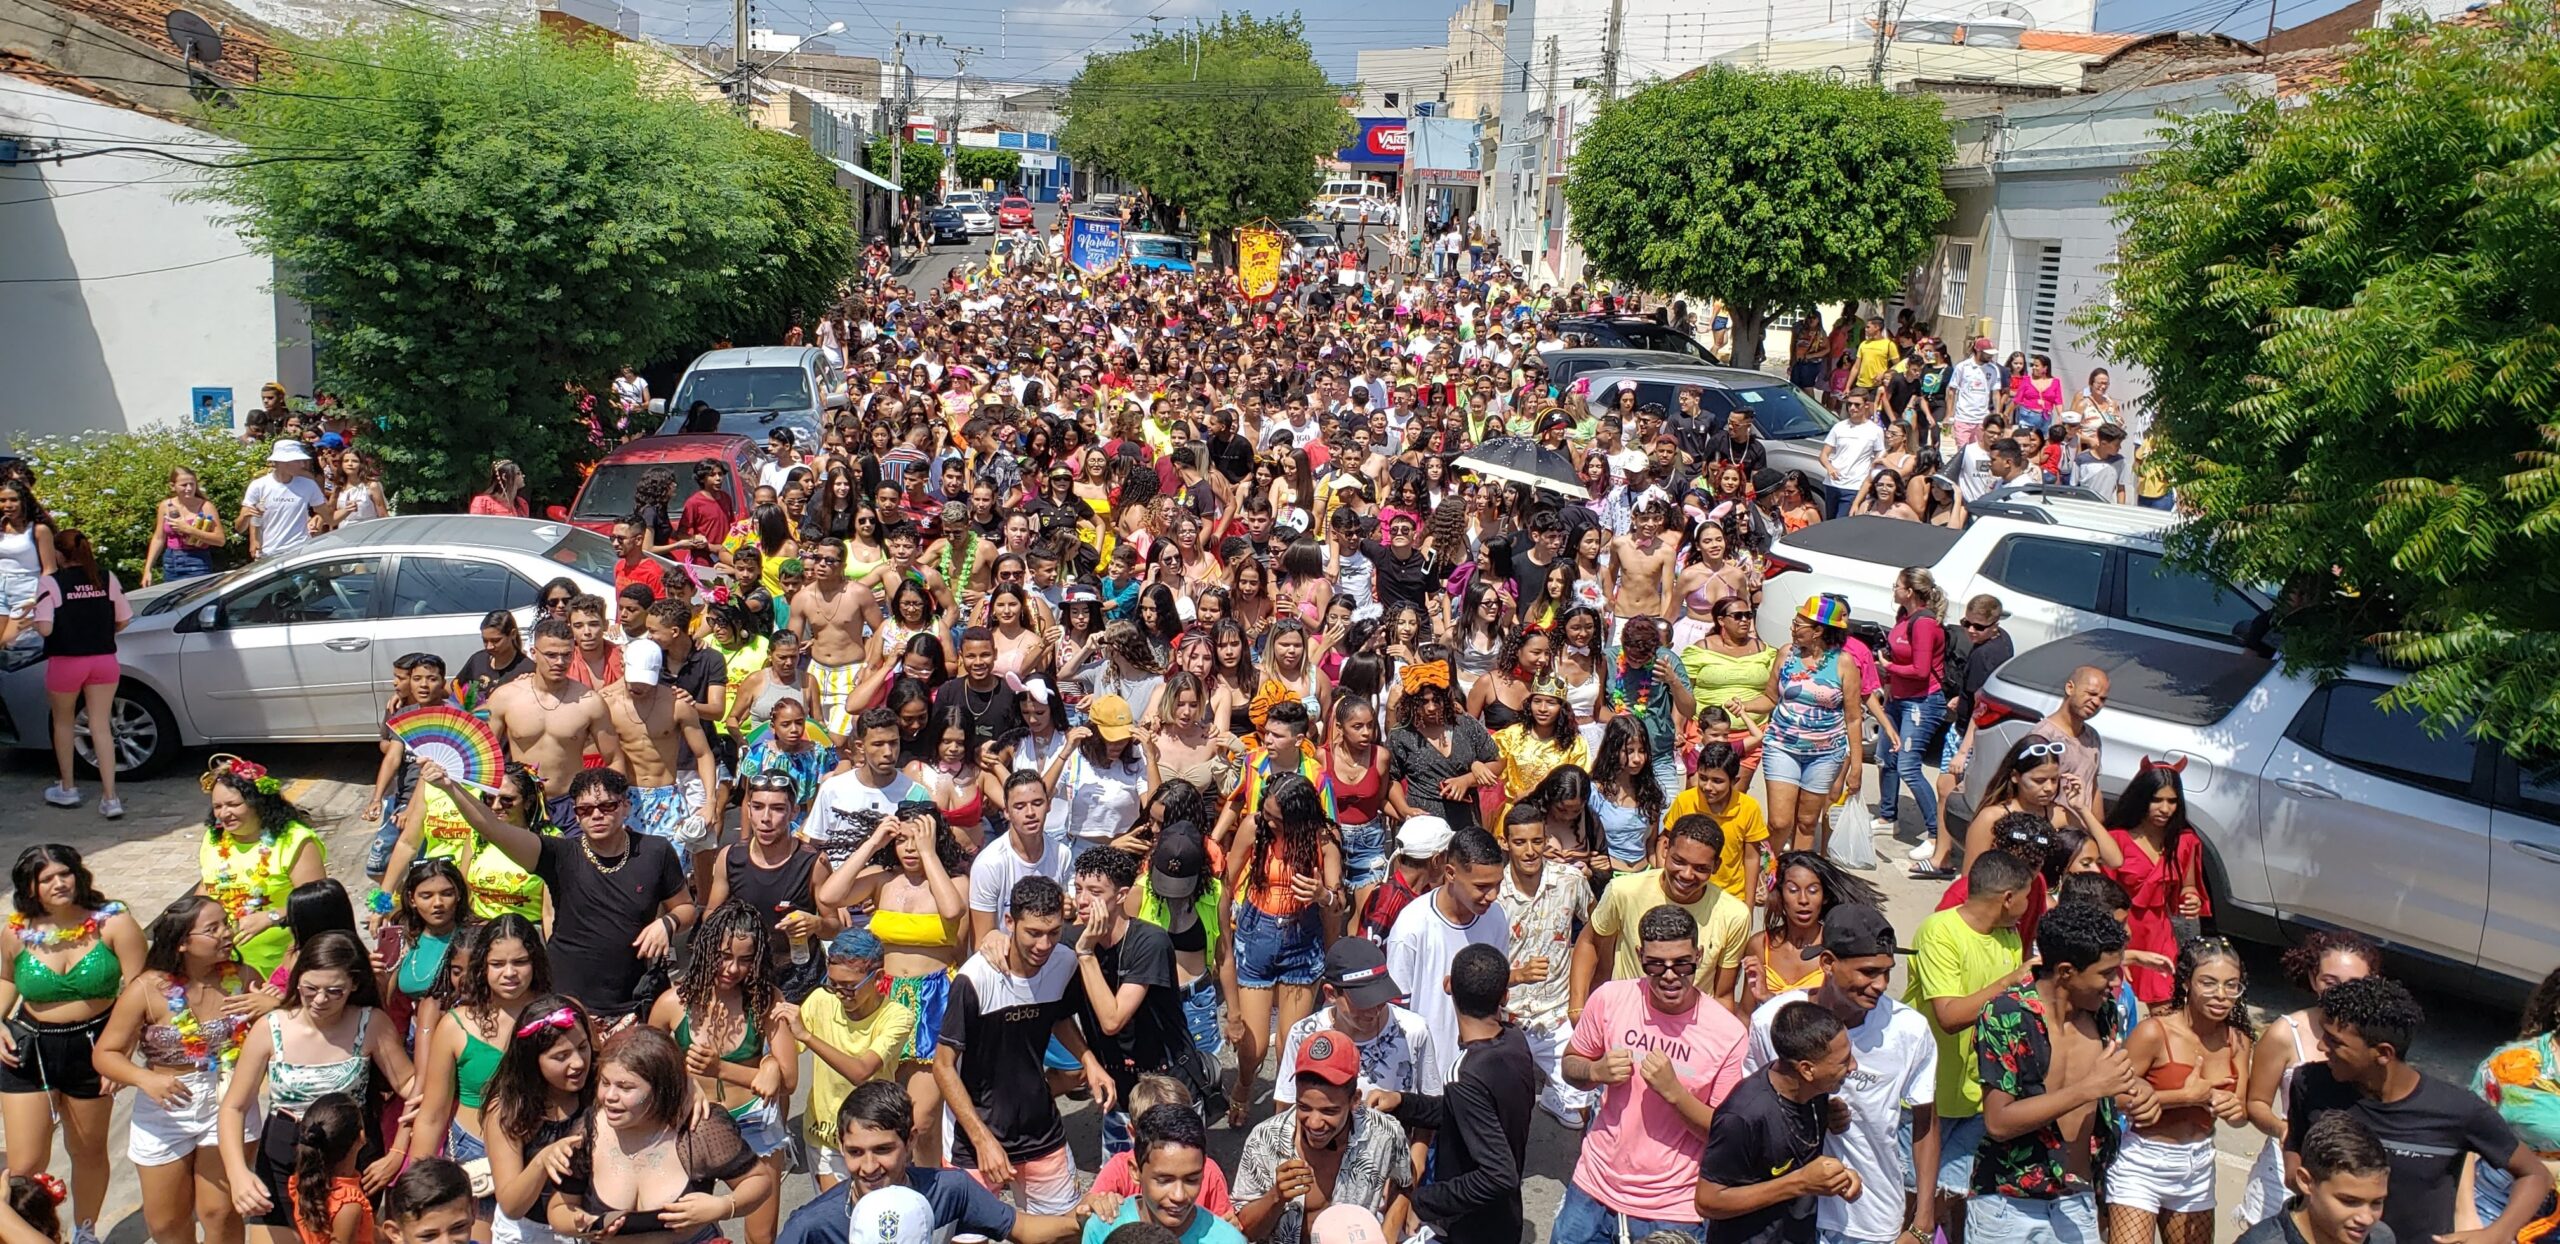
1635, 332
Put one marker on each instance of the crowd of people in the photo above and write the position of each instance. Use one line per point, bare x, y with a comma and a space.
1138, 687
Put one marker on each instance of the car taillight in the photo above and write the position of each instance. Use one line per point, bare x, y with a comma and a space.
1778, 564
1992, 710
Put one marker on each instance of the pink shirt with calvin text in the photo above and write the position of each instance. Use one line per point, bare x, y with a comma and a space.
1640, 1157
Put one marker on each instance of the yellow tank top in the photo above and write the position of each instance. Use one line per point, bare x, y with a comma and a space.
251, 879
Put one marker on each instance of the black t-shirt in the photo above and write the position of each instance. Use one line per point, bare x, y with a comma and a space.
1899, 389
2425, 1133
1232, 455
600, 912
1759, 1135
1405, 580
701, 670
483, 675
992, 714
1142, 956
1752, 454
999, 1025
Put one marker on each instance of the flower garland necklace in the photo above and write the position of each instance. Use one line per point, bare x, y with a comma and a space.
193, 1038
1648, 684
242, 896
45, 939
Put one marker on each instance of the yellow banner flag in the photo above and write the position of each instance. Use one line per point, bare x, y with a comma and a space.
1258, 261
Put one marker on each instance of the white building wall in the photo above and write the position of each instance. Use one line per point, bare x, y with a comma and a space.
117, 298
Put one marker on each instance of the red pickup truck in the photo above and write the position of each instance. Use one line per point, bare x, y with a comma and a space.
606, 496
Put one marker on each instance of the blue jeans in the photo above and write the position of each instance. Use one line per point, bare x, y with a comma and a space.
1278, 950
1916, 721
1582, 1220
2165, 501
377, 853
2069, 1219
1957, 1141
1836, 499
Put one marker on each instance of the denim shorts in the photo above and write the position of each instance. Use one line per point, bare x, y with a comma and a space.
1957, 1140
1364, 854
763, 1128
1814, 773
2069, 1219
1202, 1015
1278, 950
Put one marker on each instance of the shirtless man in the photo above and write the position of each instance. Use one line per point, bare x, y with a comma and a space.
1643, 567
835, 617
658, 723
550, 722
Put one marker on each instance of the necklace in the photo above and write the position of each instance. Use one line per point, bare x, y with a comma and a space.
588, 845
199, 1044
1633, 689
969, 702
242, 893
45, 939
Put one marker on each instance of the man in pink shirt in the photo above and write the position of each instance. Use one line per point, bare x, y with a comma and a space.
1663, 1058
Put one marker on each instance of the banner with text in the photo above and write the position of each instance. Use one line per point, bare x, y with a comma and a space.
1094, 244
1258, 254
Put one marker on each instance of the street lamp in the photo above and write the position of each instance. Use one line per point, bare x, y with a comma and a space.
832, 28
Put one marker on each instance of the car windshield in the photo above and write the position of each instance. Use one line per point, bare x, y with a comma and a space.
587, 553
739, 390
1160, 248
1781, 412
188, 593
608, 493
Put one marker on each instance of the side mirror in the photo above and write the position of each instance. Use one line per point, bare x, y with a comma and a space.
209, 618
556, 513
657, 405
837, 401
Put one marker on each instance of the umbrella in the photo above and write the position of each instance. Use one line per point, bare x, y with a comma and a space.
1524, 461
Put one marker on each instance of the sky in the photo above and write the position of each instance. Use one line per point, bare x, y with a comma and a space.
1046, 40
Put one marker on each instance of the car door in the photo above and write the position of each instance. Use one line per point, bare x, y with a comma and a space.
288, 655
437, 606
2050, 588
2520, 937
2160, 598
2372, 823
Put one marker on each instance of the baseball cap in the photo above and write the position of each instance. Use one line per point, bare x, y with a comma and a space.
643, 661
1357, 967
1983, 344
1180, 860
1422, 837
1554, 419
288, 451
1631, 460
1857, 930
1346, 1224
896, 1214
332, 440
1108, 715
1330, 1056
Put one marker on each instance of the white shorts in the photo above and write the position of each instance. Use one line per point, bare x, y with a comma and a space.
2162, 1176
1559, 1097
159, 1137
505, 1230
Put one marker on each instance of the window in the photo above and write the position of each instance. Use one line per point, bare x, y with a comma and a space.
2060, 571
431, 586
344, 590
2158, 594
2345, 723
2041, 295
2538, 788
1955, 288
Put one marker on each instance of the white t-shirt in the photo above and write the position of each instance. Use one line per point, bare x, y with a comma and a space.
1974, 479
1969, 388
999, 866
1419, 951
1854, 450
284, 510
1103, 801
1897, 1070
846, 809
1400, 1059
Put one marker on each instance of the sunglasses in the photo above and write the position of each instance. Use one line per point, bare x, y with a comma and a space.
606, 808
2035, 750
1980, 626
502, 802
1684, 966
773, 779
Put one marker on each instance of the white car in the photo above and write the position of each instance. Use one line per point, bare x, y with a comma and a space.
974, 208
298, 648
2059, 566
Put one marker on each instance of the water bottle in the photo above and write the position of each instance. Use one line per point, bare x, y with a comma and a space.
799, 943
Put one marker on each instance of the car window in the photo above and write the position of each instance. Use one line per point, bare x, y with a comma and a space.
2538, 788
1780, 412
433, 586
2159, 594
2061, 571
340, 590
608, 492
2346, 722
1659, 337
736, 390
592, 555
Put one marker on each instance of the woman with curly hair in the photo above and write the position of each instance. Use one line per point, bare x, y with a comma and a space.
1287, 871
1785, 953
949, 767
536, 1105
1626, 798
2319, 961
171, 1038
66, 952
1446, 758
502, 970
256, 848
741, 1055
1501, 696
2194, 1053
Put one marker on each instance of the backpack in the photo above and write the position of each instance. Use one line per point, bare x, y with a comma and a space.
1952, 670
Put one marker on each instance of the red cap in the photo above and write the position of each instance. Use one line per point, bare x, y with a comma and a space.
1331, 1057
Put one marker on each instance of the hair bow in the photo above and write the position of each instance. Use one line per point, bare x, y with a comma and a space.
561, 1018
52, 1185
1423, 674
1273, 694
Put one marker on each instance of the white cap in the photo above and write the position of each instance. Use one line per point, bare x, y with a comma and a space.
288, 451
1422, 837
896, 1214
643, 662
1630, 460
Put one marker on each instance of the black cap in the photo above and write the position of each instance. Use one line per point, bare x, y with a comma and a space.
1180, 860
1856, 931
1358, 968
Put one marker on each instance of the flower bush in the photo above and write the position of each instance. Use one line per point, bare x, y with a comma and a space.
109, 484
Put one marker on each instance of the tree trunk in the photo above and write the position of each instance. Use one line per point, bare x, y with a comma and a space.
1750, 325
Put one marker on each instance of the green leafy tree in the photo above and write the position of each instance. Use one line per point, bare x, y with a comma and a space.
1771, 192
801, 270
109, 484
484, 224
919, 174
985, 164
1222, 127
2347, 310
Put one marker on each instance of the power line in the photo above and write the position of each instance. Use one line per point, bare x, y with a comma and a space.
118, 276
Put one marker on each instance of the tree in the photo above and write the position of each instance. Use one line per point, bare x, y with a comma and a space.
919, 171
801, 271
1770, 192
988, 164
482, 225
2346, 308
1222, 126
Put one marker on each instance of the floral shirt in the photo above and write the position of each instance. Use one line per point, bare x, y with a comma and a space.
1543, 924
2013, 1051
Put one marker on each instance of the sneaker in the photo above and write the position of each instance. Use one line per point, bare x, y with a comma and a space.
1923, 872
1920, 854
83, 1234
111, 808
62, 796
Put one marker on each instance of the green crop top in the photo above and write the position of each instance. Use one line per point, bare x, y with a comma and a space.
472, 1071
98, 975
750, 1046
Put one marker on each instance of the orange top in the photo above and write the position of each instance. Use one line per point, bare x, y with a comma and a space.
343, 1191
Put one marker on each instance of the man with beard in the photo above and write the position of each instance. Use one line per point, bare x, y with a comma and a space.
873, 1129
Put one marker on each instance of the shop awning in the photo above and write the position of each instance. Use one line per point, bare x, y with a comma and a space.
866, 175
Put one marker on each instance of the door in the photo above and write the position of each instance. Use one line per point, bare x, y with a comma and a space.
2050, 588
290, 655
2521, 937
2372, 823
437, 606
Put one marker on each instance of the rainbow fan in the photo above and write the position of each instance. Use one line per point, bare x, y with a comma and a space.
451, 736
764, 730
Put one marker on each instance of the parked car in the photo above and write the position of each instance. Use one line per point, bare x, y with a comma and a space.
1013, 212
1104, 204
1564, 366
973, 207
2097, 567
298, 648
946, 224
1159, 251
1634, 332
2319, 806
1356, 199
755, 389
606, 496
1788, 419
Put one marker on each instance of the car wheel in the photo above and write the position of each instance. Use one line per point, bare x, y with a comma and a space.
146, 734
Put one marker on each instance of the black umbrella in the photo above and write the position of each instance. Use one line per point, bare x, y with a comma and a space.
1524, 461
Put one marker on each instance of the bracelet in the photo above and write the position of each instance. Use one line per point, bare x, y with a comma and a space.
668, 921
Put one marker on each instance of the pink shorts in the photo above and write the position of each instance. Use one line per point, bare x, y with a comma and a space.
65, 675
1041, 1185
1965, 433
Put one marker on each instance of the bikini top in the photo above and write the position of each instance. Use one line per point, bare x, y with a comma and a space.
1777, 984
292, 1087
95, 976
749, 1048
710, 1149
473, 1071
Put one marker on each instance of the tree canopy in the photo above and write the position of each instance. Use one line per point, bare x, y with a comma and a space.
1222, 127
2346, 307
479, 224
919, 169
1771, 192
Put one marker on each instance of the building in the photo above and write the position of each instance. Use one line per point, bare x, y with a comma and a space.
1396, 80
1475, 70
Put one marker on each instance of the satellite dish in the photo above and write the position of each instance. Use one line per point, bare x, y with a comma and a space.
195, 38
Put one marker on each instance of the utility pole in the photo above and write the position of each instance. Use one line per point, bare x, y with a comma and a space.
897, 118
739, 98
1610, 48
951, 137
1884, 37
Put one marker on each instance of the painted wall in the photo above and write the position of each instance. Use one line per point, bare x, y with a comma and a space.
117, 298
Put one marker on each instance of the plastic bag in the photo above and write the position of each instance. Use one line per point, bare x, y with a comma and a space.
1853, 843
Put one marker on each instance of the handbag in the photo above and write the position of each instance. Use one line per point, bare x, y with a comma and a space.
1199, 1073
